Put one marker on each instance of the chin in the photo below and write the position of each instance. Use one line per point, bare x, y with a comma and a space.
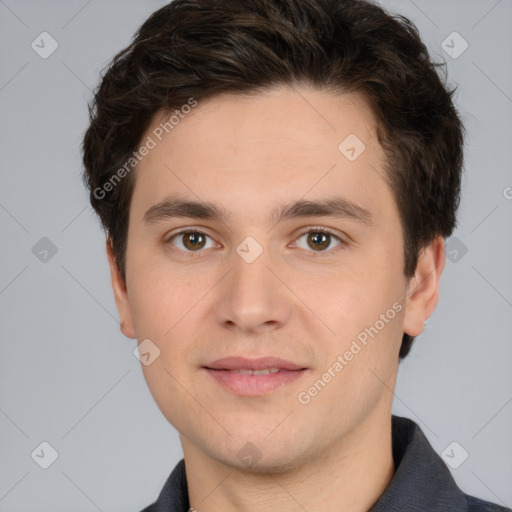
261, 457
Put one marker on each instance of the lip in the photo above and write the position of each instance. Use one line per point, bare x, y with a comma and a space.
224, 372
242, 363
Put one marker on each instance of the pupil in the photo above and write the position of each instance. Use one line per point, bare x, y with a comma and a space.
193, 240
319, 240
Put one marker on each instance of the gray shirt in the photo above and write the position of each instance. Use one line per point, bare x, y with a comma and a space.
421, 483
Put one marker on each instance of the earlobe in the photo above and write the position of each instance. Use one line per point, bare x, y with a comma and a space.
120, 294
423, 290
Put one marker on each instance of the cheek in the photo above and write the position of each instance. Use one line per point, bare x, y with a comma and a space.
366, 312
350, 302
150, 307
161, 294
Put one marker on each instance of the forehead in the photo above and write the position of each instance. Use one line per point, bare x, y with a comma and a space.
252, 150
299, 118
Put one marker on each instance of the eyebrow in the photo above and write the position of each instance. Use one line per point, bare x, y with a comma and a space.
337, 207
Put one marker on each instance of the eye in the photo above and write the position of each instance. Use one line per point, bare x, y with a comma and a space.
319, 239
191, 241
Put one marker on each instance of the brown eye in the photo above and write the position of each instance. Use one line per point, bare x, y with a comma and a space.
190, 241
319, 240
193, 241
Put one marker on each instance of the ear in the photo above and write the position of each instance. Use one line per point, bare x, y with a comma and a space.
120, 295
423, 291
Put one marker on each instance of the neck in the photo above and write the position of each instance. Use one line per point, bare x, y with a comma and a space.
350, 476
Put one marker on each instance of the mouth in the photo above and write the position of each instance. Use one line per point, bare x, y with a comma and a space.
254, 377
244, 371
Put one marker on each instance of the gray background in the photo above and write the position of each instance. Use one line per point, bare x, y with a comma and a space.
69, 377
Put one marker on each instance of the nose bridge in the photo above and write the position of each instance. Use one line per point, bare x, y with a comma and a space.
253, 298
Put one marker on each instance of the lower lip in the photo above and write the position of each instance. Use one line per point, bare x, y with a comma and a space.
254, 385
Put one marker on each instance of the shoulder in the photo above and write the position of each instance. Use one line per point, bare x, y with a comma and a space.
423, 477
478, 505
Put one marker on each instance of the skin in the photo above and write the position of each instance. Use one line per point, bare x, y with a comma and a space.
251, 154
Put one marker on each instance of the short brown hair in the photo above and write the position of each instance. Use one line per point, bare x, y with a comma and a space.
202, 48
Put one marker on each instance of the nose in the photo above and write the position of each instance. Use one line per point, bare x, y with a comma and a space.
253, 297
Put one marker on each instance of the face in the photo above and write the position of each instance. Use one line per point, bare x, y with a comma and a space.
297, 256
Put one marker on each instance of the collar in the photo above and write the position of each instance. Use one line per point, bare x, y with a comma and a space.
421, 483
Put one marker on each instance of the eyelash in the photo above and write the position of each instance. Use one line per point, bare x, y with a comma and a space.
316, 254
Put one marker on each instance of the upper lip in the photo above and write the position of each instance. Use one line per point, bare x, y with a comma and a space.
260, 363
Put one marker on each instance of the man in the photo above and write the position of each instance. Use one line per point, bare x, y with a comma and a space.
276, 179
